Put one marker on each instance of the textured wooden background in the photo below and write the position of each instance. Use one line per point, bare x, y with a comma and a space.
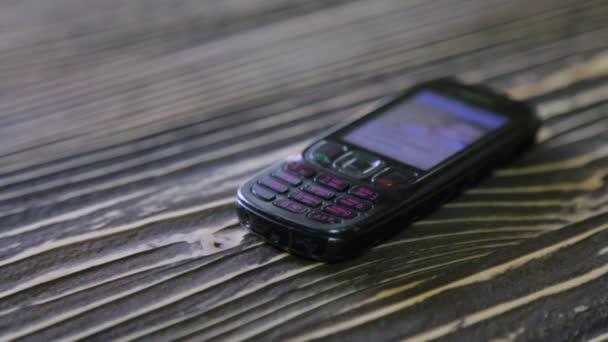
126, 126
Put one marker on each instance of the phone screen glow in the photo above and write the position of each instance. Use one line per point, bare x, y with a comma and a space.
425, 130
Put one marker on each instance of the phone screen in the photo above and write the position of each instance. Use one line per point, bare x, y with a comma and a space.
425, 129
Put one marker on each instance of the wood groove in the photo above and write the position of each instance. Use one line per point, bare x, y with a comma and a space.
88, 309
484, 276
224, 322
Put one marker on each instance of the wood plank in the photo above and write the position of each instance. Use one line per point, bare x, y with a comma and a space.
180, 84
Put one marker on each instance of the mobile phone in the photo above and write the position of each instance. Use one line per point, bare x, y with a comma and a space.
373, 176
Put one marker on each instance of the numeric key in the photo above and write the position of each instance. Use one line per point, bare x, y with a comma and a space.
354, 203
290, 205
319, 191
339, 211
323, 217
305, 198
287, 178
332, 182
274, 185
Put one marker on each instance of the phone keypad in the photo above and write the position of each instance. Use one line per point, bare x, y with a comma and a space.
299, 189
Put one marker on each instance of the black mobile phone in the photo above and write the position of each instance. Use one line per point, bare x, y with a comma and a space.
375, 175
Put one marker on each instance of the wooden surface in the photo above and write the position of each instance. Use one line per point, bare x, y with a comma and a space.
126, 126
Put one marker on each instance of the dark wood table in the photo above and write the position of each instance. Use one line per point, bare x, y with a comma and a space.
126, 126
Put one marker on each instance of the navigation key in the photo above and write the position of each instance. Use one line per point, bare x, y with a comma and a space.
326, 152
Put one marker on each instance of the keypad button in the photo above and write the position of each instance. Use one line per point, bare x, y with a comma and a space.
394, 178
290, 205
305, 198
339, 211
299, 168
288, 178
262, 193
332, 182
366, 193
326, 152
319, 191
358, 164
323, 217
354, 203
274, 185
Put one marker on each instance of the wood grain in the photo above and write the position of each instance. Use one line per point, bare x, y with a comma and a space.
126, 127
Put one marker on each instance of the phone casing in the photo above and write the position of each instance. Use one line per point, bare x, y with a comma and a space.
326, 206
